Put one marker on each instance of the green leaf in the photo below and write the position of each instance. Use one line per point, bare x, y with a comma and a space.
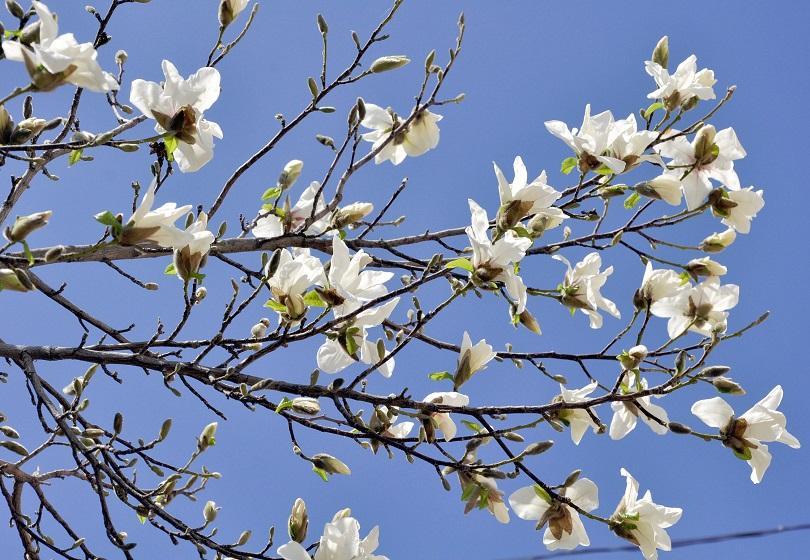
74, 157
107, 218
171, 145
284, 404
272, 193
440, 375
350, 344
745, 456
27, 252
631, 201
468, 491
460, 263
522, 232
198, 276
648, 112
141, 518
170, 270
568, 165
275, 306
604, 170
342, 234
541, 493
314, 300
473, 426
321, 473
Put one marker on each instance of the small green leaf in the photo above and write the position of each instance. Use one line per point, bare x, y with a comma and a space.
460, 263
314, 300
74, 157
321, 473
27, 252
542, 494
141, 518
522, 232
170, 270
745, 455
171, 145
284, 404
440, 375
604, 170
631, 201
275, 306
350, 344
342, 234
468, 491
648, 112
272, 193
568, 165
107, 218
473, 426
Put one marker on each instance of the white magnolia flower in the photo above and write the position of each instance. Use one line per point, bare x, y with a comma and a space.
658, 284
494, 262
666, 187
565, 530
442, 420
745, 435
421, 135
702, 308
157, 225
472, 359
388, 426
347, 284
192, 248
340, 541
718, 241
627, 413
577, 419
494, 497
352, 343
581, 288
295, 273
593, 139
748, 203
178, 106
644, 522
59, 55
705, 266
684, 84
631, 143
272, 225
709, 163
229, 10
521, 198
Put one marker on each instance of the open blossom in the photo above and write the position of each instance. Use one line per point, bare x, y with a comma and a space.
747, 203
521, 198
581, 288
711, 154
745, 435
421, 134
665, 187
272, 225
352, 343
486, 493
347, 284
494, 261
657, 285
442, 420
192, 248
577, 419
178, 106
56, 59
294, 274
702, 308
685, 83
340, 541
643, 522
471, 359
157, 225
627, 413
592, 140
630, 144
564, 530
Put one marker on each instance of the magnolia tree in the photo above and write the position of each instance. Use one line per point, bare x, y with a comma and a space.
311, 264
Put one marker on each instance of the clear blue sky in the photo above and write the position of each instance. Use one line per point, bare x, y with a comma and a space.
522, 63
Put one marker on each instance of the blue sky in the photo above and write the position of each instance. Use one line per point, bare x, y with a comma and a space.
522, 63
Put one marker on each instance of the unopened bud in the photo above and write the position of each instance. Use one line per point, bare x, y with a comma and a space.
705, 267
200, 294
713, 371
717, 242
632, 358
152, 286
207, 436
386, 63
727, 386
15, 280
210, 511
330, 464
351, 214
121, 56
678, 428
290, 173
538, 448
15, 9
298, 522
306, 405
660, 54
528, 321
24, 225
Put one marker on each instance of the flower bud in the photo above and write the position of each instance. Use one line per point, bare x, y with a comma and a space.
704, 146
229, 10
121, 56
15, 9
53, 254
351, 214
306, 405
27, 129
660, 54
716, 242
330, 464
527, 320
713, 371
386, 63
298, 522
290, 173
705, 267
15, 280
152, 286
207, 437
210, 511
25, 225
632, 358
538, 448
678, 428
727, 386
